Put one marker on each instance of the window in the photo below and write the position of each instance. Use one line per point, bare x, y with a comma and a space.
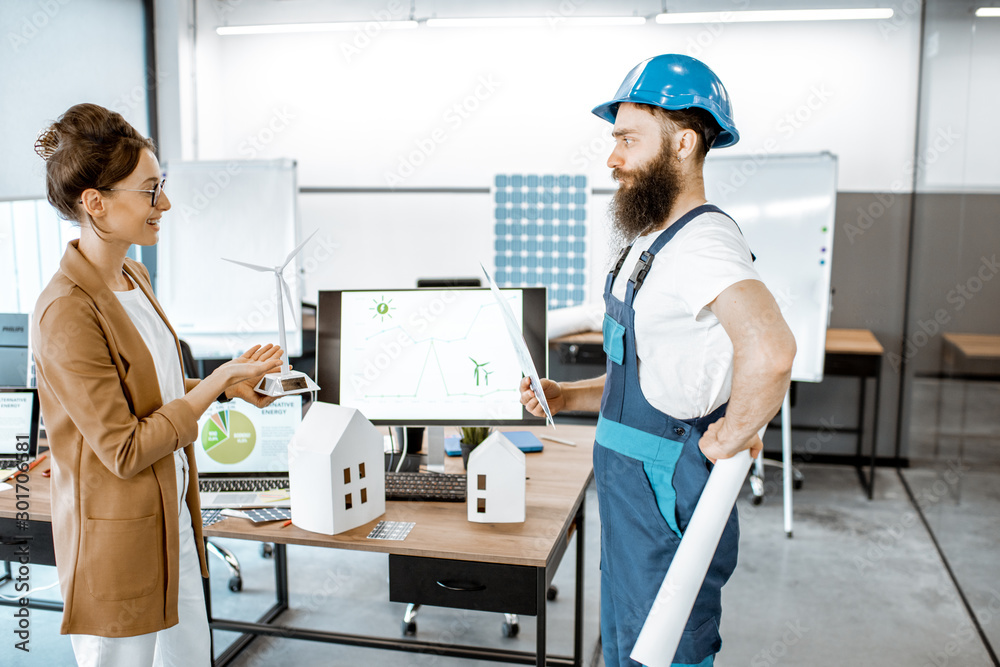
481, 506
364, 496
361, 471
347, 475
347, 502
482, 482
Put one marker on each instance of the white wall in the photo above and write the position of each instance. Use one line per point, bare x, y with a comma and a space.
961, 94
57, 53
351, 117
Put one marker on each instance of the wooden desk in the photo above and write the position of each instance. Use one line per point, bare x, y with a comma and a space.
964, 358
508, 567
849, 352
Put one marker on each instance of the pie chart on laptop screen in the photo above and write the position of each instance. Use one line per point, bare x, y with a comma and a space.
228, 437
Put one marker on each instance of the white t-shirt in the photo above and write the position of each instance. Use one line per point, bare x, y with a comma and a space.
163, 349
685, 356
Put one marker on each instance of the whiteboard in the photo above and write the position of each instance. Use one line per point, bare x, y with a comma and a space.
243, 210
785, 204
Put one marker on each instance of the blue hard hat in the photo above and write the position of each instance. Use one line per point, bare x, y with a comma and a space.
674, 81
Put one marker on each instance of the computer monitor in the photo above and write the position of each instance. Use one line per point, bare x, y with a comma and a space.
428, 357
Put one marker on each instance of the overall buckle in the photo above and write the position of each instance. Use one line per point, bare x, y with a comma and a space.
641, 269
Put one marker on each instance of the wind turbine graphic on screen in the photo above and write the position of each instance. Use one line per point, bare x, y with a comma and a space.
286, 382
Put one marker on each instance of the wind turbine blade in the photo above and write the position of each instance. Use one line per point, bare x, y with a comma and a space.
288, 295
300, 246
249, 266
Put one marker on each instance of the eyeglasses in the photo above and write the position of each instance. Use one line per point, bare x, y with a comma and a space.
154, 193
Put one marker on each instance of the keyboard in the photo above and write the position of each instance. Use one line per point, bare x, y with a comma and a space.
252, 484
10, 463
447, 487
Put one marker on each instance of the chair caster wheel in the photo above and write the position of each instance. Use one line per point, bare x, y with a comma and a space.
266, 550
409, 629
757, 500
510, 629
551, 593
235, 583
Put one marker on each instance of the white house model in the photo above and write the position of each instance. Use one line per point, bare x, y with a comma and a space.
495, 478
336, 470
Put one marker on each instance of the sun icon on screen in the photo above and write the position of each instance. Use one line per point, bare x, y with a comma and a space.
381, 309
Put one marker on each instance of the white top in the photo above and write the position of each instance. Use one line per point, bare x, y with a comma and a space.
685, 356
163, 349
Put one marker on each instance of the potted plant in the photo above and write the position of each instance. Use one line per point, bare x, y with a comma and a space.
472, 436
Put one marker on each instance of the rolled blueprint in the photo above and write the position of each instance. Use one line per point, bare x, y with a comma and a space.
661, 633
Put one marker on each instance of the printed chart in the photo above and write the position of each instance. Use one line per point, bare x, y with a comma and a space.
429, 355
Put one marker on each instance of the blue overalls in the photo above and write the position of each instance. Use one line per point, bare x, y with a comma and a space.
649, 473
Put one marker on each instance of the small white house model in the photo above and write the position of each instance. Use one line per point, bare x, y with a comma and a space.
495, 478
336, 470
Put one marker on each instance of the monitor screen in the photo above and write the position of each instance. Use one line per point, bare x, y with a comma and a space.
19, 416
236, 437
428, 356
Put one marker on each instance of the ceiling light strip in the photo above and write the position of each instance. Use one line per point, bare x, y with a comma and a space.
287, 28
776, 15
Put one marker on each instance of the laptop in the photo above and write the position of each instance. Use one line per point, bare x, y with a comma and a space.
242, 453
19, 417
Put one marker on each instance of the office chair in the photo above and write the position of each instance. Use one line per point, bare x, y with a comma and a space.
220, 552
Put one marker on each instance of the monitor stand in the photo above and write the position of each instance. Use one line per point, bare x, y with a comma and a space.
435, 448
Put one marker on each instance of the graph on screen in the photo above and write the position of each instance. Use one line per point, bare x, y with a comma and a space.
411, 354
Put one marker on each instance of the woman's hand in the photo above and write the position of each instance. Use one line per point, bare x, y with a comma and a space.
553, 396
244, 372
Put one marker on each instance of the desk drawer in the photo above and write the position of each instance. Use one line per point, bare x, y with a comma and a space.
38, 537
463, 584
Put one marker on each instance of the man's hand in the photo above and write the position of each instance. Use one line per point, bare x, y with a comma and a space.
718, 443
553, 395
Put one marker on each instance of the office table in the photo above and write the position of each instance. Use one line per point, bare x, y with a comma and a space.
849, 352
965, 358
444, 561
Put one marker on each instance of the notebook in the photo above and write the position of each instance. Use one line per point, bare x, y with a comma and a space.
526, 441
242, 453
19, 417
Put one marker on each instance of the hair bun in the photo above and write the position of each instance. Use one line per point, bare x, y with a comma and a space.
47, 143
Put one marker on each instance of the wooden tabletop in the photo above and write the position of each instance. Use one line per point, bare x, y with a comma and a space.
975, 346
838, 341
557, 480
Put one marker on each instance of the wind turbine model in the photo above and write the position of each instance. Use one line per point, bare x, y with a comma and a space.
287, 382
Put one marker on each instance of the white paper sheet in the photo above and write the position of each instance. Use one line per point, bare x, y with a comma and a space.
661, 633
520, 347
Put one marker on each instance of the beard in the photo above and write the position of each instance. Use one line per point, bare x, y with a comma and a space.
643, 200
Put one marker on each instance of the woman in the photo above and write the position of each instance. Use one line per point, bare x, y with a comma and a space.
119, 415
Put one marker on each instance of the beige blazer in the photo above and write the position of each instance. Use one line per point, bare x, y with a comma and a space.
114, 490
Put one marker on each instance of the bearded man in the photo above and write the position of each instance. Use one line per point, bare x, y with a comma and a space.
699, 356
